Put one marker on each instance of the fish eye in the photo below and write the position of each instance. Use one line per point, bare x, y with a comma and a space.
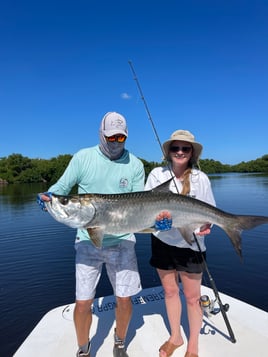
64, 201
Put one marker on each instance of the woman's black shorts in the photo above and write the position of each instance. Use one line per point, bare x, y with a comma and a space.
168, 257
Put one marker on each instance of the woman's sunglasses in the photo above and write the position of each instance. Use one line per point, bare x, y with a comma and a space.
185, 149
116, 138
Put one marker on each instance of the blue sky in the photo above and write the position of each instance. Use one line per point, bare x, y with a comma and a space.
202, 66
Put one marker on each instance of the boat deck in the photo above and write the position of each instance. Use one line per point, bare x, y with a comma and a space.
55, 335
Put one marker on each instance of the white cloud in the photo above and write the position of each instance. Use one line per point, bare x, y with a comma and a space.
125, 96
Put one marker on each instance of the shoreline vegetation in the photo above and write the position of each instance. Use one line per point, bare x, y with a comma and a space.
16, 168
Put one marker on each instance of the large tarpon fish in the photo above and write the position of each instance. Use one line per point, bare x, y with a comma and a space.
136, 212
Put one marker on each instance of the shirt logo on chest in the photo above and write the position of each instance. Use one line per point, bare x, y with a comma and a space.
123, 182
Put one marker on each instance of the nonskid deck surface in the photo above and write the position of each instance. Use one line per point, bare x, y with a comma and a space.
55, 334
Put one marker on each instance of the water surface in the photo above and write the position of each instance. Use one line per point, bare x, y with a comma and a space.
37, 255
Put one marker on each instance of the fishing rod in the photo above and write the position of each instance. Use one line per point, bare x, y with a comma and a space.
223, 308
146, 106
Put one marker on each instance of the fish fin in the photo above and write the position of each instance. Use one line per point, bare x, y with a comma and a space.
96, 236
240, 223
163, 187
187, 234
235, 238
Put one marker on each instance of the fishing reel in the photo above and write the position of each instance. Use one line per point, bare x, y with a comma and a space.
208, 306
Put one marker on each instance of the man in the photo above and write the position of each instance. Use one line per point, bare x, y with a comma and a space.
105, 168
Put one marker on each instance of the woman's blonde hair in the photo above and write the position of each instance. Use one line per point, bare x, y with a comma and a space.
192, 164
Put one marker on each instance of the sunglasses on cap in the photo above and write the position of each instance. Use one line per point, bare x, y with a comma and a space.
116, 138
185, 149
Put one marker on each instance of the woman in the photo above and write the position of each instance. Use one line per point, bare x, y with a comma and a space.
172, 256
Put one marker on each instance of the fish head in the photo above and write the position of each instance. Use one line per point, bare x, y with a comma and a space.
74, 211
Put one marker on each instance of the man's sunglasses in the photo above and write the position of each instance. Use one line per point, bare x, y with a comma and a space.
116, 138
185, 149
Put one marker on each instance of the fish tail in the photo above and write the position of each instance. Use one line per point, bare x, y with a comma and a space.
240, 223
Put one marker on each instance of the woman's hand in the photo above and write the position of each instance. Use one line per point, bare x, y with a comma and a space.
163, 221
205, 229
